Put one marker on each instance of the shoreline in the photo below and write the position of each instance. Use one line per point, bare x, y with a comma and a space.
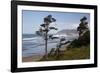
33, 58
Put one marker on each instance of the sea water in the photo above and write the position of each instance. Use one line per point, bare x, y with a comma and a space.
35, 45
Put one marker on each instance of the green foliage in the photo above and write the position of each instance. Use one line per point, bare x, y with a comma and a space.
81, 41
83, 26
84, 34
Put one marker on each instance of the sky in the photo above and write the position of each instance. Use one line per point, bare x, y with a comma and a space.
31, 20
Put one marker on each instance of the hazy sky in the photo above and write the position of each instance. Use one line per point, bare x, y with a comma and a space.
64, 20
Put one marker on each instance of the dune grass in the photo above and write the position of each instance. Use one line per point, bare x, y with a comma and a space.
82, 52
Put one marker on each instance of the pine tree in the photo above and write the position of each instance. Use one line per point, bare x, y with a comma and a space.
44, 29
83, 26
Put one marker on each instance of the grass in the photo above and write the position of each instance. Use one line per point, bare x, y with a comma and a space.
82, 52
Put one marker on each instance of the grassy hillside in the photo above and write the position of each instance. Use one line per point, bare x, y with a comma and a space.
72, 54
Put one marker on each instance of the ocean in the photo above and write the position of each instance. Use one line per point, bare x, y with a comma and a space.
35, 45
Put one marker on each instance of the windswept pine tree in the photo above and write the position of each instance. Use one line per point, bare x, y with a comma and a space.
84, 34
83, 26
44, 29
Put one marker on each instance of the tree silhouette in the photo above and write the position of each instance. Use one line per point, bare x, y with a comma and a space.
44, 29
84, 35
82, 26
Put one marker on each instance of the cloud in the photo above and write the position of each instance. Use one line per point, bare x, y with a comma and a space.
62, 25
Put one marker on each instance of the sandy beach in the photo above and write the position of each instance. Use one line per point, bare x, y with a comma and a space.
33, 58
